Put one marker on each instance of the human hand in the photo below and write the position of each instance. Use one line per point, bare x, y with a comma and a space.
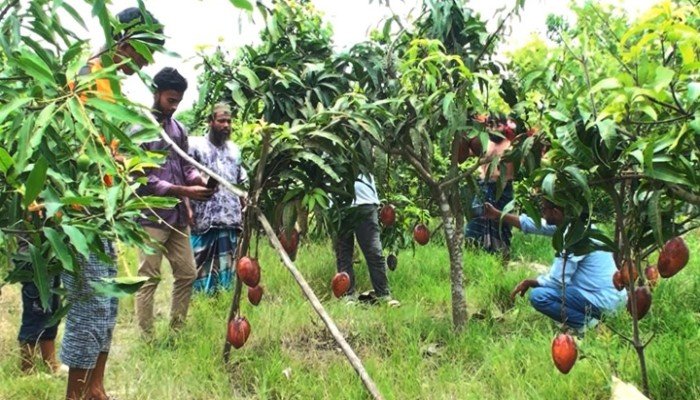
523, 287
491, 212
199, 193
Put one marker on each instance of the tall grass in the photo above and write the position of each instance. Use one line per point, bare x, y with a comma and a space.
411, 352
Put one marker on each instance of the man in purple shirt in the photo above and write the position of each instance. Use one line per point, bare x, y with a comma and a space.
169, 228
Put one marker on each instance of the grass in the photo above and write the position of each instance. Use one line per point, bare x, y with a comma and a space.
411, 352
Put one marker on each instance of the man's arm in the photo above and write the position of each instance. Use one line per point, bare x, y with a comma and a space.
522, 222
491, 212
161, 187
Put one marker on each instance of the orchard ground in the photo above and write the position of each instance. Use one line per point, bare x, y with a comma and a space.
411, 352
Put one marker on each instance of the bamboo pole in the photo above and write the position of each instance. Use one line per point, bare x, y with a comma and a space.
306, 289
318, 307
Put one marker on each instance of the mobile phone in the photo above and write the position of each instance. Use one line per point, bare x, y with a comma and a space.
478, 211
477, 208
212, 183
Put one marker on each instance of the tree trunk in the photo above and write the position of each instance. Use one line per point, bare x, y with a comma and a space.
455, 241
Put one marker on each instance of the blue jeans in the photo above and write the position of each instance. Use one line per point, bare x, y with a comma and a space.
578, 310
34, 326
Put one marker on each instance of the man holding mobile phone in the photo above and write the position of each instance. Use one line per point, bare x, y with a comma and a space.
217, 222
169, 228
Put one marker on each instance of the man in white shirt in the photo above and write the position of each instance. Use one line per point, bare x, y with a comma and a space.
361, 221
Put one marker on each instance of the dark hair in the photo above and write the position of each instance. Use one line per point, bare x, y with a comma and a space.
169, 79
137, 21
546, 203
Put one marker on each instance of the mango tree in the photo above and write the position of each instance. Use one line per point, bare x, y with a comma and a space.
62, 192
299, 151
423, 88
622, 102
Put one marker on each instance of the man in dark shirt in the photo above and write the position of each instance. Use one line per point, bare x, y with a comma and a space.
169, 227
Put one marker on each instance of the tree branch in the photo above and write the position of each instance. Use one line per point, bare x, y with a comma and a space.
413, 159
621, 335
469, 171
684, 194
669, 106
675, 99
492, 37
667, 121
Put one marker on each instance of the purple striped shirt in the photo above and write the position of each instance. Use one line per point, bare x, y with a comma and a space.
174, 171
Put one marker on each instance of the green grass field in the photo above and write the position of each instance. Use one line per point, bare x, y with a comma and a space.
411, 352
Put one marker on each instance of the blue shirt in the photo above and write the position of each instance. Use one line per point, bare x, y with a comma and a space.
590, 273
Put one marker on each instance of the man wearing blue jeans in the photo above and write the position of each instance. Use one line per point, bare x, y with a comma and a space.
589, 288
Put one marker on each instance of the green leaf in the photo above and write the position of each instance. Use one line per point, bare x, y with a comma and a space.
447, 102
253, 80
121, 286
662, 78
608, 132
143, 50
570, 142
329, 136
41, 272
35, 182
579, 179
119, 112
58, 315
13, 105
320, 163
60, 248
548, 184
6, 161
73, 13
244, 4
559, 116
35, 67
41, 122
606, 84
650, 111
99, 9
693, 91
112, 199
664, 173
77, 239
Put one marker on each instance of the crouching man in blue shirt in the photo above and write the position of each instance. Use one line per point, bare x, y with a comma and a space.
589, 284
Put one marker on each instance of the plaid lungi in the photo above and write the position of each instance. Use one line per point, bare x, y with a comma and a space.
91, 318
214, 252
491, 236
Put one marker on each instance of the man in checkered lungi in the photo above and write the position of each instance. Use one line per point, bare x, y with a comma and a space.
217, 222
91, 318
89, 326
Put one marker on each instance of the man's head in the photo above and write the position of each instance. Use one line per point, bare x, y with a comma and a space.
552, 213
169, 87
136, 26
220, 121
